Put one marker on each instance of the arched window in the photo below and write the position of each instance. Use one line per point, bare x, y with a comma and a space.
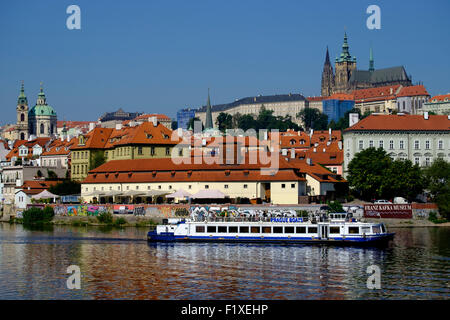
22, 136
42, 128
22, 117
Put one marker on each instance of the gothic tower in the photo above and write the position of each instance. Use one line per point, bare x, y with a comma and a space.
344, 67
327, 77
22, 115
208, 122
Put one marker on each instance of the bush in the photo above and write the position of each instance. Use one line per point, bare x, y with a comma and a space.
433, 217
120, 221
335, 206
37, 215
105, 217
302, 213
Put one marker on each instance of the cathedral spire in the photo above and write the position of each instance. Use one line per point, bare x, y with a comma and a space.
208, 122
22, 97
327, 85
327, 57
371, 62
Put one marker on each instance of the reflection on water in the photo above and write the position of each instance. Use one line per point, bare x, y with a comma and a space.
120, 264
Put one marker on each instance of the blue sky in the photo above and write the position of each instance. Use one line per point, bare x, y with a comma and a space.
161, 56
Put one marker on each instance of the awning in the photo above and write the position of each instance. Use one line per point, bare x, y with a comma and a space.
209, 194
45, 195
179, 194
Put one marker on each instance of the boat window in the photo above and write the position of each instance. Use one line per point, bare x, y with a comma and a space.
222, 229
288, 229
312, 229
353, 230
383, 228
266, 229
334, 230
376, 229
365, 229
277, 229
243, 229
233, 229
200, 229
300, 229
255, 230
211, 229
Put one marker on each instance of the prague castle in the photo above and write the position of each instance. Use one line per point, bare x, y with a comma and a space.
40, 121
347, 77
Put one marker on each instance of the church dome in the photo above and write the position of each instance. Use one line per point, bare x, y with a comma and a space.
42, 108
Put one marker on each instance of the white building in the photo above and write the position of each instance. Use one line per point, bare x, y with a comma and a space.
438, 105
420, 139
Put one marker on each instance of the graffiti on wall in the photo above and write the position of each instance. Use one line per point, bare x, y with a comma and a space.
79, 210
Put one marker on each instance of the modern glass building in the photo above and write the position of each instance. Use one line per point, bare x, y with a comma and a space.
184, 116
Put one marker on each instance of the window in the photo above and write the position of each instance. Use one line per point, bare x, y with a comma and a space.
140, 151
391, 144
427, 144
243, 229
401, 144
189, 187
361, 144
206, 186
371, 144
292, 185
159, 187
283, 186
167, 151
200, 229
180, 152
381, 144
300, 229
245, 186
277, 229
416, 145
353, 230
289, 229
225, 186
233, 229
334, 230
416, 161
266, 229
152, 151
312, 229
222, 229
211, 229
255, 229
440, 144
427, 161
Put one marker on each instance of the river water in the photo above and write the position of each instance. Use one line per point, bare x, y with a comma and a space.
120, 264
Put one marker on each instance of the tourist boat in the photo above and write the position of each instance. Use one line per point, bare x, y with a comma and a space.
336, 228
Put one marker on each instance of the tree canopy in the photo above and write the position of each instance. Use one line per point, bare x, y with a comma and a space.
437, 179
373, 174
313, 119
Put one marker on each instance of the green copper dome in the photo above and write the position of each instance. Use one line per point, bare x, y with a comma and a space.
41, 108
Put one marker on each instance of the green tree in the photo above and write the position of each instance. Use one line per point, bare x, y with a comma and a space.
174, 125
437, 181
97, 160
224, 121
65, 188
51, 175
245, 122
366, 172
313, 119
402, 179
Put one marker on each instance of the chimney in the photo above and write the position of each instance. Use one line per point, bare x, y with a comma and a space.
91, 126
118, 126
340, 145
309, 161
284, 152
154, 120
329, 133
425, 115
292, 153
392, 90
266, 135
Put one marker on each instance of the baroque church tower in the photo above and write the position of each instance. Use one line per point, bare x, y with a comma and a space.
22, 132
327, 77
344, 67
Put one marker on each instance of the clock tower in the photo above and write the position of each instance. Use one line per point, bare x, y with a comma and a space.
22, 132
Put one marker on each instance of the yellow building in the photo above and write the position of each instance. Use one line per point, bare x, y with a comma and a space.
148, 140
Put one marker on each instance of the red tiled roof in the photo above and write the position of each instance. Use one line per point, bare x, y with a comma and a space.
32, 187
380, 93
440, 98
315, 98
29, 144
411, 91
402, 123
58, 147
340, 96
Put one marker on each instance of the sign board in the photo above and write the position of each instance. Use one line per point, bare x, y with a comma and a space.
397, 211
